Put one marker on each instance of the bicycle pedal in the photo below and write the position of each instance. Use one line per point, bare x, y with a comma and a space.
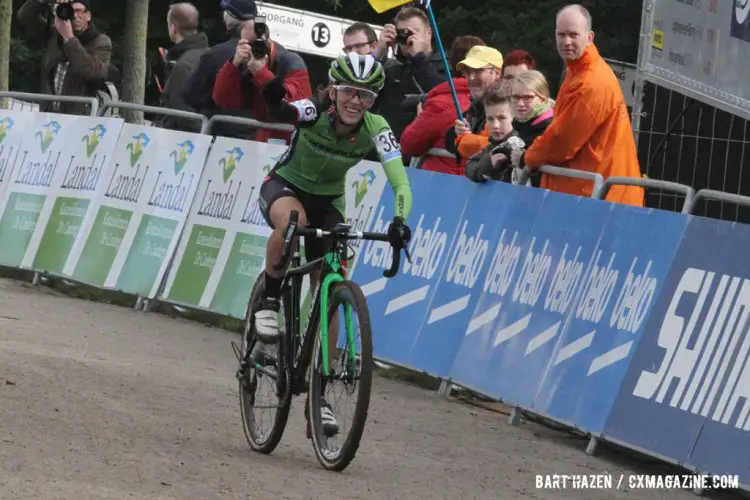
262, 358
241, 372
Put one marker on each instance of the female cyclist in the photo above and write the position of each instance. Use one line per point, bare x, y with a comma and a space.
332, 135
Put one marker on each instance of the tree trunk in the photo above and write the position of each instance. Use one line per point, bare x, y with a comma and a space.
134, 57
6, 15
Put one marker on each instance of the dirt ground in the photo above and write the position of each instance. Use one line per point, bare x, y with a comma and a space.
99, 401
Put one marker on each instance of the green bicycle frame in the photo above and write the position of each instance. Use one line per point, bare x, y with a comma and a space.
335, 276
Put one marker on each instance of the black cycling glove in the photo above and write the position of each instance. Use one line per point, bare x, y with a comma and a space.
398, 232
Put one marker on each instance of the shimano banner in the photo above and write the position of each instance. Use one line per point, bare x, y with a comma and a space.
686, 395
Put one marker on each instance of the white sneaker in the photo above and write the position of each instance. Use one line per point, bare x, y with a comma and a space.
267, 321
330, 424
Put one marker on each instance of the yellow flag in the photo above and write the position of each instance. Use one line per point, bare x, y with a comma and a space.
381, 6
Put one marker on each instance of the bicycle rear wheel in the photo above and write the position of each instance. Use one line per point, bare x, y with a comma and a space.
352, 371
265, 366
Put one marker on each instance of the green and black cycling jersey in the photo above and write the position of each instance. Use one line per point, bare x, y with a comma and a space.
318, 159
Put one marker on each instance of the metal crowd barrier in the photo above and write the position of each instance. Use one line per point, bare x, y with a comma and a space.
238, 120
712, 195
93, 102
673, 187
443, 153
597, 179
178, 113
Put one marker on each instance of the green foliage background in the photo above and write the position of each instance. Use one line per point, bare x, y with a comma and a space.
504, 24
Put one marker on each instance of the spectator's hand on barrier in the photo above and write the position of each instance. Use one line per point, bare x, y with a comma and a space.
255, 65
462, 127
242, 53
420, 108
498, 159
513, 149
516, 157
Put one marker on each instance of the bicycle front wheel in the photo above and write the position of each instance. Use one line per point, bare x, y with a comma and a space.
350, 374
265, 397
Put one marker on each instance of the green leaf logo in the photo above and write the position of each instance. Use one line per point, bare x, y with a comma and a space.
47, 134
181, 155
5, 125
229, 162
136, 148
93, 138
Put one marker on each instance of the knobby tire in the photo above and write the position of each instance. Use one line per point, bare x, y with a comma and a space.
343, 293
282, 412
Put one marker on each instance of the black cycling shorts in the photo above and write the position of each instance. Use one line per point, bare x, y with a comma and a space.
320, 211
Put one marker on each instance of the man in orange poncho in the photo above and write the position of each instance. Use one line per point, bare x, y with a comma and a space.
591, 129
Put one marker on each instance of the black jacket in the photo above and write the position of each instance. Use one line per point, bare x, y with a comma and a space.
417, 75
530, 130
183, 58
477, 119
200, 86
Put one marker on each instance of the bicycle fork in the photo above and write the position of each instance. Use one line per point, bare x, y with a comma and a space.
329, 280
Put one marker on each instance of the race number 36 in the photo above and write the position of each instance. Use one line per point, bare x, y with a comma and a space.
321, 35
387, 145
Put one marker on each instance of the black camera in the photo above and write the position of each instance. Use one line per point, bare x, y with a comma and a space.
63, 11
402, 35
260, 46
411, 101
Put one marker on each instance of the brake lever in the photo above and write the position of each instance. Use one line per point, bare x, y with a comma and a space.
408, 254
395, 263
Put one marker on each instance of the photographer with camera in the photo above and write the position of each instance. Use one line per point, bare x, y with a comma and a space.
198, 91
418, 71
257, 61
436, 113
77, 59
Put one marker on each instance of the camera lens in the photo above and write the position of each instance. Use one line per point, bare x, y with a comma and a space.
64, 11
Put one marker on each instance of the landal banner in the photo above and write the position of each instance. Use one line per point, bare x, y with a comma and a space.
89, 145
36, 166
138, 214
14, 127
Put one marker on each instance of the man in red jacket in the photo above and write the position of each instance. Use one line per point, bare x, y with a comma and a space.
241, 80
438, 114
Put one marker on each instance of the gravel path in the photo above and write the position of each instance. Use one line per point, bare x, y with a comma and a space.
99, 401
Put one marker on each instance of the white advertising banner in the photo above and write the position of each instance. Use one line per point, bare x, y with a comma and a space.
40, 160
224, 245
89, 144
14, 127
700, 49
140, 210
